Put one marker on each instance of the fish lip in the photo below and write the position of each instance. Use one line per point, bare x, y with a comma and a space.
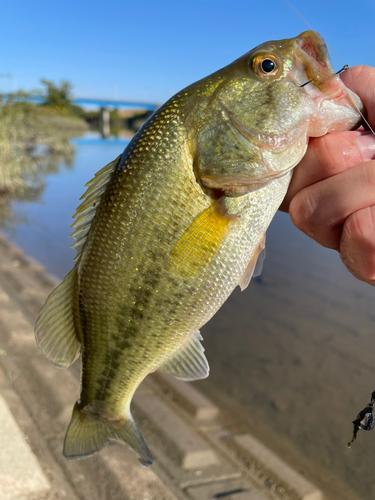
333, 90
272, 142
313, 46
311, 50
312, 65
313, 70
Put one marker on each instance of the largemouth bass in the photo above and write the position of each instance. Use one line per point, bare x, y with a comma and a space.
168, 229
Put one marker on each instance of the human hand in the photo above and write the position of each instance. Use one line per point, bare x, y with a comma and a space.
331, 197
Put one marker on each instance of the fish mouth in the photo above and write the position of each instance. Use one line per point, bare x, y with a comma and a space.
278, 155
337, 108
311, 50
276, 143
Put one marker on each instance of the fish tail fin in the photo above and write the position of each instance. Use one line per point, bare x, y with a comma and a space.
86, 436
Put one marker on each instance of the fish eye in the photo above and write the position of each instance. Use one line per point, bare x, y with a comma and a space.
268, 65
265, 65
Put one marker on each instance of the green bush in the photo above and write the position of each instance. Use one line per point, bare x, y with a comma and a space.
34, 140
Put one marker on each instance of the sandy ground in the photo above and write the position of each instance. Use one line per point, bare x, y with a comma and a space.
294, 355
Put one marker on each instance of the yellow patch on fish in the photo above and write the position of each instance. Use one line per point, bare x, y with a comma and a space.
201, 241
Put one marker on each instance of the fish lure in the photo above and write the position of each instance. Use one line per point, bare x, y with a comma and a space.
365, 419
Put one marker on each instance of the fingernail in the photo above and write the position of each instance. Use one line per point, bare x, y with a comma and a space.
366, 144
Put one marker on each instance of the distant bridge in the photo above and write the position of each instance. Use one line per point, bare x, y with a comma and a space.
100, 103
104, 105
107, 103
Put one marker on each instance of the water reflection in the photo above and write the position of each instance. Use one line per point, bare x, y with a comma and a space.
33, 144
43, 228
95, 139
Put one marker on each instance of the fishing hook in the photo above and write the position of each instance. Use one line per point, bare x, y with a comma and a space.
344, 68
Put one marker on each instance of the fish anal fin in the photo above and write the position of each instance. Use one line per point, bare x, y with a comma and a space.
255, 265
189, 363
87, 210
87, 435
55, 330
201, 240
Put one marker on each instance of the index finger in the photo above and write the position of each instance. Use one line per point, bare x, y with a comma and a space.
327, 156
339, 151
361, 80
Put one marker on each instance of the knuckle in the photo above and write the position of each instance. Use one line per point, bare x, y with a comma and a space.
369, 169
301, 211
368, 271
308, 217
337, 152
358, 244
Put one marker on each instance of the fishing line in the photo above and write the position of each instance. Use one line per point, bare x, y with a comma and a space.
293, 9
353, 102
365, 419
344, 68
296, 12
360, 112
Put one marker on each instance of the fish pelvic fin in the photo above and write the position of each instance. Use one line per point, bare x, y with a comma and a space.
255, 266
189, 363
55, 330
87, 435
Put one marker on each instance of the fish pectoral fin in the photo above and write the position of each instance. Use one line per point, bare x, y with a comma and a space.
86, 436
255, 265
201, 240
55, 331
189, 363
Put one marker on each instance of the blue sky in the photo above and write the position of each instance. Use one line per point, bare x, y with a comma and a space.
148, 49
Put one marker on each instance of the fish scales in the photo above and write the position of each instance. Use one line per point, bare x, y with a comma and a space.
130, 272
171, 227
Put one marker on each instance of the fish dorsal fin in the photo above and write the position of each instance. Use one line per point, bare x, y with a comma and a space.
189, 363
255, 265
86, 212
55, 328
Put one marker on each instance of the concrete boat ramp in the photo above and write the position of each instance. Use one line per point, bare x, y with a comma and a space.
196, 458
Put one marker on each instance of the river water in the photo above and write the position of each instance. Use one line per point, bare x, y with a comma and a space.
292, 357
